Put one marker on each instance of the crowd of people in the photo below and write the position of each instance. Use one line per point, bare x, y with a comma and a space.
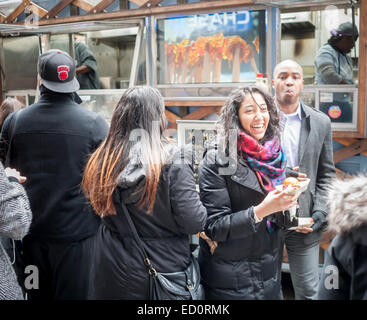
86, 202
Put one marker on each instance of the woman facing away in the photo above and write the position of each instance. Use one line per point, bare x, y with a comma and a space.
244, 217
137, 165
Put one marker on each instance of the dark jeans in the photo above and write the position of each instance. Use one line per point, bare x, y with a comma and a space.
303, 263
63, 268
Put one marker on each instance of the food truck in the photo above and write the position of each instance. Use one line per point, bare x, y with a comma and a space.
195, 52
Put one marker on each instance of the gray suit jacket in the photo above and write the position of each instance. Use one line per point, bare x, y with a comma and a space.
316, 160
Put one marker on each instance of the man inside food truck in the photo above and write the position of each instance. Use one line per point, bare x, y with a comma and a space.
335, 66
86, 65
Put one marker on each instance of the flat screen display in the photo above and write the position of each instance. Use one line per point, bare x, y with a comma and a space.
207, 48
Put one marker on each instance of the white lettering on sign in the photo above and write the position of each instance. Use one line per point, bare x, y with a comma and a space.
211, 21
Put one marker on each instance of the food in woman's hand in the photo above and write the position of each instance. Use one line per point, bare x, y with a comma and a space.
290, 181
292, 184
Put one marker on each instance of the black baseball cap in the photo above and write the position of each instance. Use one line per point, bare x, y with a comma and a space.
57, 71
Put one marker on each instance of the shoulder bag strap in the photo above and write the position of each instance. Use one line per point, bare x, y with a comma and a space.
151, 270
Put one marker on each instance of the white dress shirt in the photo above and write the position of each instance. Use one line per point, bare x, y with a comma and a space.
291, 124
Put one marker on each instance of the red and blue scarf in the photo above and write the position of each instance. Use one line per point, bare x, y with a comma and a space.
268, 161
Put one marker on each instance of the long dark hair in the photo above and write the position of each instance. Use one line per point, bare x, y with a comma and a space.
138, 108
229, 118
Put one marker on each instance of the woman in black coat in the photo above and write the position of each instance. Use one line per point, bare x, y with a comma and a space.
237, 179
138, 166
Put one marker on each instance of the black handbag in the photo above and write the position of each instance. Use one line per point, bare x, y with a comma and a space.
180, 285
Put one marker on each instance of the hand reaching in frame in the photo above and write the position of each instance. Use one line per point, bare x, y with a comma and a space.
211, 243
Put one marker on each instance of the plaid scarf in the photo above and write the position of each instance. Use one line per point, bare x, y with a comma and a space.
267, 161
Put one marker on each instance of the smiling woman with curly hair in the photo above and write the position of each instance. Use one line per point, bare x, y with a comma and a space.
244, 207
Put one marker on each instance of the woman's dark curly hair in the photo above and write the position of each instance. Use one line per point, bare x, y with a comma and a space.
229, 116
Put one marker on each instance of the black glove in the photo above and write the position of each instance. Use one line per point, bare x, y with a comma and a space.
319, 218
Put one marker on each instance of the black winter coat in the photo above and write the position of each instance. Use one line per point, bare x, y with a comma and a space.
51, 142
245, 263
344, 276
119, 271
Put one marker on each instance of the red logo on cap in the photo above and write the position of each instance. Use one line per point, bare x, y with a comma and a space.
63, 72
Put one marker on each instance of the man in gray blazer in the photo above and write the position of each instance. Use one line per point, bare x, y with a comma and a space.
307, 142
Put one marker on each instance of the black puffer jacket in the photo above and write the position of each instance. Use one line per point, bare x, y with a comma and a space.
119, 271
244, 265
344, 276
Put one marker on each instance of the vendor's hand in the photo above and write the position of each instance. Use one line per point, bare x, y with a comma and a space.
275, 201
301, 176
211, 243
15, 174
